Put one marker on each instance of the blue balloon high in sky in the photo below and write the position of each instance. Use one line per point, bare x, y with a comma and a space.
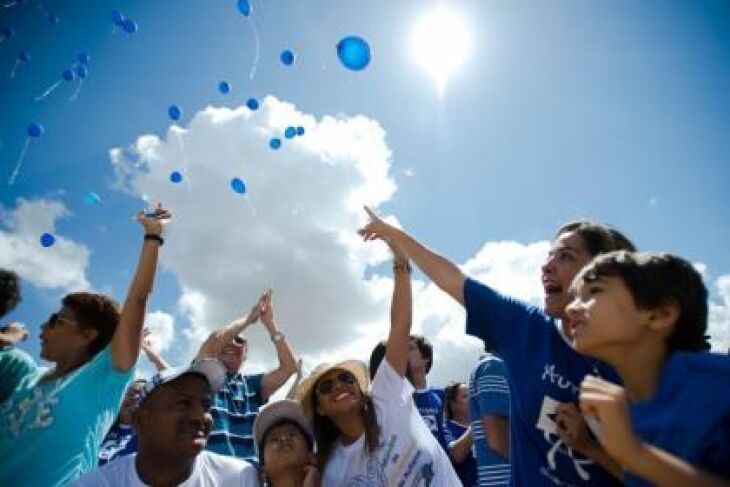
35, 130
275, 143
244, 6
252, 104
92, 199
238, 186
287, 57
224, 87
176, 177
290, 132
83, 58
354, 53
174, 112
129, 26
47, 239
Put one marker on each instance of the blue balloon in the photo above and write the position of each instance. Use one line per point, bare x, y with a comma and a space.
47, 239
300, 130
244, 6
23, 56
84, 58
68, 75
81, 71
117, 17
35, 130
7, 32
224, 87
53, 19
92, 199
174, 112
129, 26
287, 57
290, 132
275, 143
238, 186
354, 53
176, 177
252, 104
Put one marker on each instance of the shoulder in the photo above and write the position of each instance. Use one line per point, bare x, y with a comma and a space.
226, 466
703, 367
113, 473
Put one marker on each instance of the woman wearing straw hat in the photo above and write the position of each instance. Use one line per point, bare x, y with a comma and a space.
372, 434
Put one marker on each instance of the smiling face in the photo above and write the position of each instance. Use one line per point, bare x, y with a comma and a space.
605, 319
567, 256
337, 393
174, 420
285, 447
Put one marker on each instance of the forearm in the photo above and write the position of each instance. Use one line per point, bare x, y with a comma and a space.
126, 340
444, 273
460, 448
401, 311
287, 365
602, 458
159, 363
662, 468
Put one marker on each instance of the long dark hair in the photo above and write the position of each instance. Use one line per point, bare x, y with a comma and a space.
326, 432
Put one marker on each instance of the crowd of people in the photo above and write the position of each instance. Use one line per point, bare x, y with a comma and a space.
610, 382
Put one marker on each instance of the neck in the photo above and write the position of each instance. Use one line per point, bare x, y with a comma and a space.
66, 366
461, 417
640, 369
289, 477
419, 379
159, 468
351, 427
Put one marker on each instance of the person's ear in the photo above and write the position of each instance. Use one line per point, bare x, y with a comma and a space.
663, 318
89, 334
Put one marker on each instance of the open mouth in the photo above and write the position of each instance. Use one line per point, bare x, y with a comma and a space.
552, 288
341, 396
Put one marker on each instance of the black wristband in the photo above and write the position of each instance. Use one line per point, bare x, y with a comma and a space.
402, 265
157, 238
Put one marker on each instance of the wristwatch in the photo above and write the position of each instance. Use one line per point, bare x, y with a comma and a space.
277, 337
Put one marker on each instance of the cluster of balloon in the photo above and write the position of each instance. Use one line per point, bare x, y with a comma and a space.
290, 132
34, 131
78, 71
287, 57
47, 240
224, 87
7, 33
354, 53
22, 58
126, 25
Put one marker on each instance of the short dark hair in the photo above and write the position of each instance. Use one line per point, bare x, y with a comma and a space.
426, 349
451, 392
308, 437
598, 238
94, 311
655, 279
9, 291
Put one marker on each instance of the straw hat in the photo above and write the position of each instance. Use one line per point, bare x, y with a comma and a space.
306, 387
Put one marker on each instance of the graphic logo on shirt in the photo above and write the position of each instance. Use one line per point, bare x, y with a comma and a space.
546, 423
34, 410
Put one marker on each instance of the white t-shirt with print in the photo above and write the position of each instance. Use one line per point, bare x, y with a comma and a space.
211, 470
408, 454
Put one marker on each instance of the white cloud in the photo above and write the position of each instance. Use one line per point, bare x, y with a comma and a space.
61, 266
162, 329
719, 319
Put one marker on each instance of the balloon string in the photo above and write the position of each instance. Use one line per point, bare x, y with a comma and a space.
257, 52
15, 68
11, 181
49, 90
78, 90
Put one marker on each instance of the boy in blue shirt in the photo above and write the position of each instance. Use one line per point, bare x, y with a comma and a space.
544, 370
52, 424
646, 314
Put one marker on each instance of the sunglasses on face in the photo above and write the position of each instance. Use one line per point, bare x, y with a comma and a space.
240, 341
326, 386
56, 318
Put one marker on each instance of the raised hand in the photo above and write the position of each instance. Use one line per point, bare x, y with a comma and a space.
218, 339
152, 222
377, 228
13, 333
266, 310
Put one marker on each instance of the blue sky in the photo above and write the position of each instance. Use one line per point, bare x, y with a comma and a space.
616, 111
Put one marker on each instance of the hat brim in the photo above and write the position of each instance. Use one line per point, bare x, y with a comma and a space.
274, 413
306, 387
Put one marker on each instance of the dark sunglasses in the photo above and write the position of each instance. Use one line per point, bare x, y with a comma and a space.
55, 318
326, 386
239, 340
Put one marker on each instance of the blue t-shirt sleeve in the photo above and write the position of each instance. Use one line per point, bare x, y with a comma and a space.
492, 389
501, 321
108, 382
253, 382
15, 366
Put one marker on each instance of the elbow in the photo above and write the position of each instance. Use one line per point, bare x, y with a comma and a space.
498, 445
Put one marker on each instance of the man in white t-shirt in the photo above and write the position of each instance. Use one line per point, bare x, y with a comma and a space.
173, 422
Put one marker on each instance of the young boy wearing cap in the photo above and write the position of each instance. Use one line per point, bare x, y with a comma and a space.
646, 314
285, 445
173, 422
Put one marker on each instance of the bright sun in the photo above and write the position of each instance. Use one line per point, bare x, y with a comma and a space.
440, 43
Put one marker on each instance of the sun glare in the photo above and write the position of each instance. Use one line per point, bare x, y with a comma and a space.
440, 44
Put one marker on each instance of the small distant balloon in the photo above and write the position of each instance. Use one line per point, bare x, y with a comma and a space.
47, 239
92, 199
68, 75
244, 6
81, 71
7, 33
300, 130
35, 130
23, 57
287, 57
84, 58
275, 143
117, 17
129, 26
176, 177
354, 53
252, 104
224, 87
290, 132
238, 186
53, 19
174, 112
